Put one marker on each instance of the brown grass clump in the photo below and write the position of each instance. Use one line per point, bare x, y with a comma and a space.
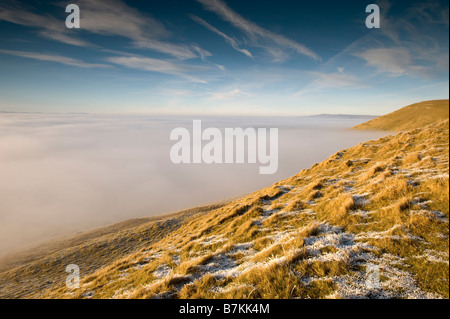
271, 194
276, 282
295, 205
270, 252
200, 288
323, 269
337, 210
371, 173
390, 189
193, 266
262, 243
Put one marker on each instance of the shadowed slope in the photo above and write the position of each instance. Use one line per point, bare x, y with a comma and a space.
30, 272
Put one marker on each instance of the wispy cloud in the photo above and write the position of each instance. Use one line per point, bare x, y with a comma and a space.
49, 27
229, 95
109, 18
336, 80
417, 16
393, 61
179, 51
256, 34
158, 65
227, 38
405, 45
202, 52
64, 38
115, 18
55, 58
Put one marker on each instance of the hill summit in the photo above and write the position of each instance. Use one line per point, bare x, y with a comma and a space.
410, 117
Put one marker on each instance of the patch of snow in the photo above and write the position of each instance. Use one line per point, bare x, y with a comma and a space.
362, 213
162, 271
361, 200
212, 240
387, 234
176, 259
392, 282
435, 256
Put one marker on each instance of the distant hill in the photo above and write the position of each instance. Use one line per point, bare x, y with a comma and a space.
343, 116
410, 117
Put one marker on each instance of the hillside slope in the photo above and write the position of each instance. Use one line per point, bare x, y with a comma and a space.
410, 117
369, 222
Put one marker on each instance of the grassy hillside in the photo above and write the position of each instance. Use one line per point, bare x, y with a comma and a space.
410, 117
381, 207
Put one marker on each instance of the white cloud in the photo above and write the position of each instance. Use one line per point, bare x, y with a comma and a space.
114, 17
412, 43
54, 58
336, 80
202, 52
182, 52
51, 27
228, 95
221, 67
108, 18
157, 65
257, 34
394, 61
227, 38
409, 44
64, 38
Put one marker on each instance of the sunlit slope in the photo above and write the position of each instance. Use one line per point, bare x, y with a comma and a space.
410, 117
378, 209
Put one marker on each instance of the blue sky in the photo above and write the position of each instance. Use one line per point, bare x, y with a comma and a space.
222, 57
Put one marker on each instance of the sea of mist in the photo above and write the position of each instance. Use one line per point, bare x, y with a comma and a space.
66, 173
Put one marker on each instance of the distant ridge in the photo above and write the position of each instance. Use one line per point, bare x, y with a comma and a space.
344, 116
410, 117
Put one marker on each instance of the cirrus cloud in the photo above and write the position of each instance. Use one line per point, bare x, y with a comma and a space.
394, 61
257, 35
54, 58
159, 66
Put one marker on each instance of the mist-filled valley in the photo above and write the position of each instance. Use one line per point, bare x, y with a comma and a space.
65, 173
